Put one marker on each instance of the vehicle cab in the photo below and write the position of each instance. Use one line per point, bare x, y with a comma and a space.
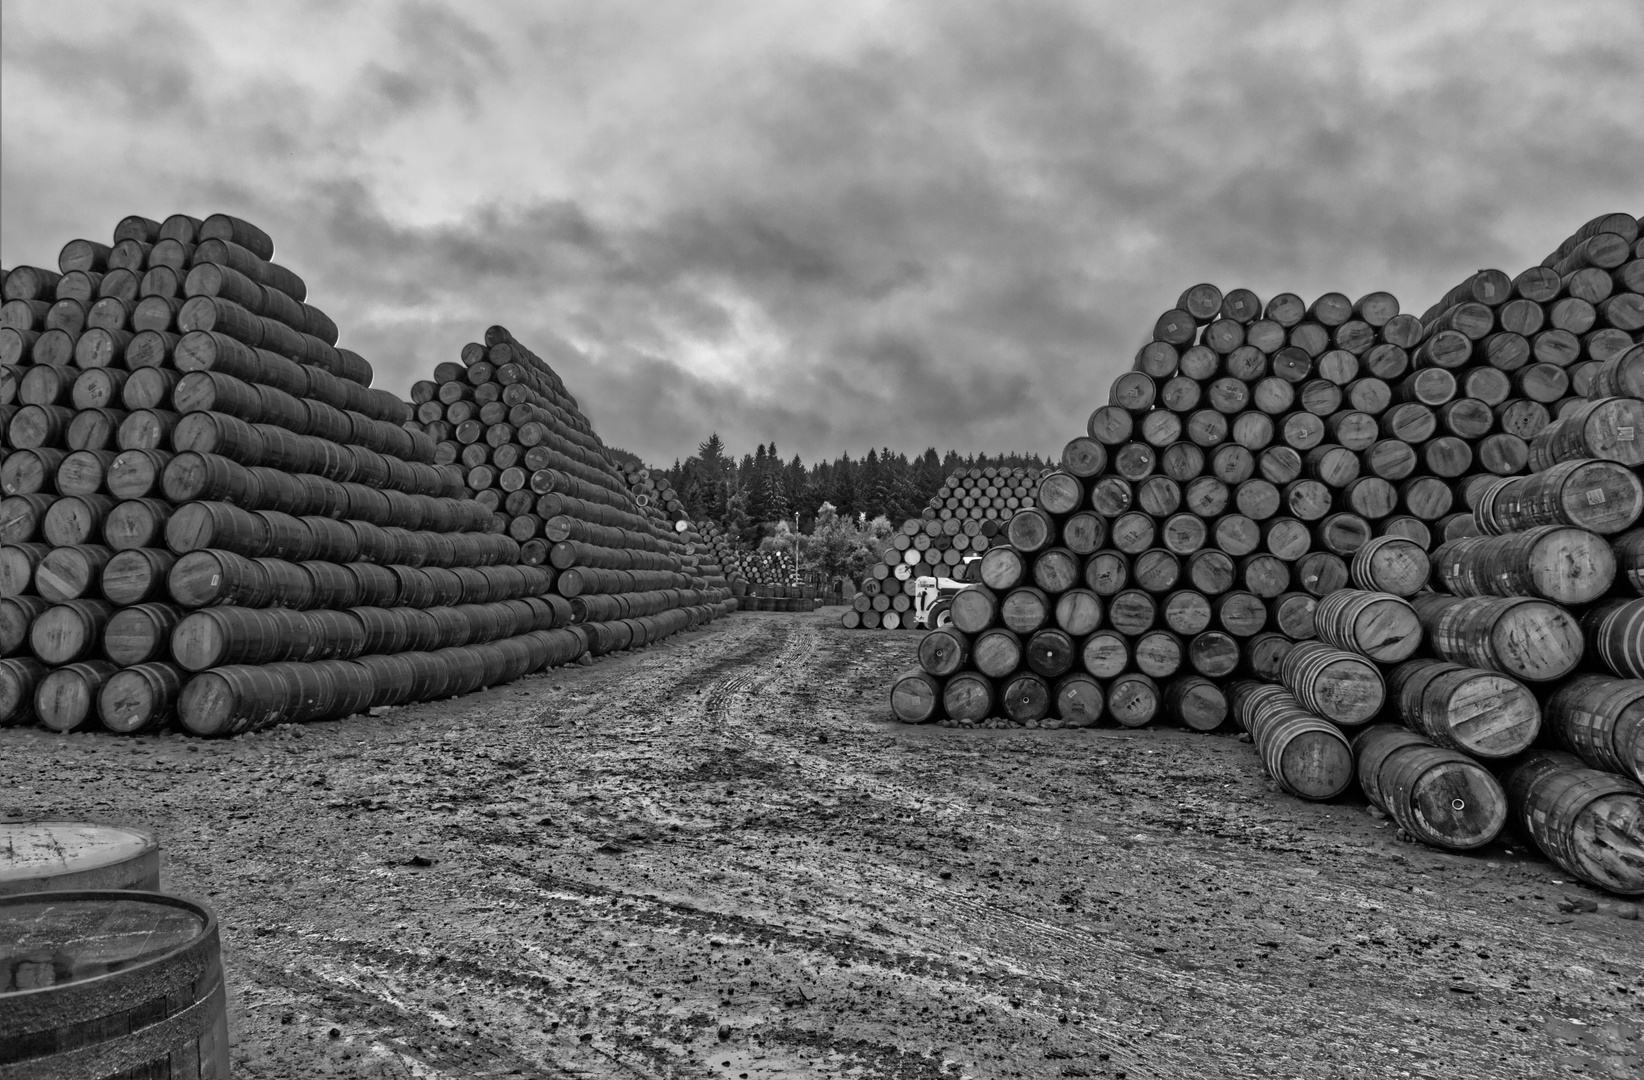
933, 596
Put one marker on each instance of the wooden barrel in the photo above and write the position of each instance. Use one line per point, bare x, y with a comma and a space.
1104, 654
968, 697
1334, 683
1213, 653
1056, 570
1561, 563
1077, 700
1024, 610
18, 563
1391, 564
62, 856
1379, 625
1523, 637
28, 472
1078, 611
1303, 754
1209, 572
1628, 549
66, 698
136, 523
1158, 654
1185, 612
137, 575
1615, 630
17, 615
1589, 822
1002, 569
1621, 376
1195, 703
1610, 428
1084, 457
997, 652
1264, 655
1600, 496
139, 698
1602, 720
1050, 652
916, 697
69, 631
202, 578
1442, 798
18, 678
1294, 614
1133, 700
112, 983
139, 634
1025, 698
944, 652
1482, 713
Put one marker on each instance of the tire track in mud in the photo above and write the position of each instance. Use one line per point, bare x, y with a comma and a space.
385, 1027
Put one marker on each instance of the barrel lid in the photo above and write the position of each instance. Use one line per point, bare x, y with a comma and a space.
32, 851
52, 939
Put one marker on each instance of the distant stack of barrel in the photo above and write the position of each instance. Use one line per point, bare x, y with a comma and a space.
658, 499
667, 513
924, 547
985, 494
528, 454
1143, 581
1509, 353
719, 550
209, 514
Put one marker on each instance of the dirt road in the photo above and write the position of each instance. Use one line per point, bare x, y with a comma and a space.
720, 857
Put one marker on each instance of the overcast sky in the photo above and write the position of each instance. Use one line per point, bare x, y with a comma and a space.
833, 225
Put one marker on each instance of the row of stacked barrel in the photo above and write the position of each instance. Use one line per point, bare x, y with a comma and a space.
962, 520
209, 513
530, 456
698, 558
777, 582
1097, 609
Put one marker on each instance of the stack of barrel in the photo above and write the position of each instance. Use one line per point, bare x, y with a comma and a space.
924, 547
526, 453
986, 494
775, 582
208, 512
1314, 585
719, 551
1210, 504
664, 509
658, 498
1506, 354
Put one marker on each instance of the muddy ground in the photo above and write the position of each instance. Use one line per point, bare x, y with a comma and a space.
720, 857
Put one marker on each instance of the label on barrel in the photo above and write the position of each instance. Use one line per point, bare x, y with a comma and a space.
1595, 496
1624, 434
1489, 289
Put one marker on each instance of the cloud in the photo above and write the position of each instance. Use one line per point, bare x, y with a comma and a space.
945, 224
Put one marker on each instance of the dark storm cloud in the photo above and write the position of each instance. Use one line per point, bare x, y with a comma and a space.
945, 224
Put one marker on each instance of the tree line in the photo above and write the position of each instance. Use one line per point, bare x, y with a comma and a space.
747, 498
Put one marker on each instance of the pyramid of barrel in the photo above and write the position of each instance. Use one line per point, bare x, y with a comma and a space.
1255, 449
503, 419
210, 514
963, 518
1526, 593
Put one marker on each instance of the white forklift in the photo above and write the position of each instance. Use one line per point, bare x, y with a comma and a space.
933, 597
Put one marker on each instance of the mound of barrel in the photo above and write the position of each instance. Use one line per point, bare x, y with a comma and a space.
503, 420
209, 512
962, 520
924, 547
1175, 547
